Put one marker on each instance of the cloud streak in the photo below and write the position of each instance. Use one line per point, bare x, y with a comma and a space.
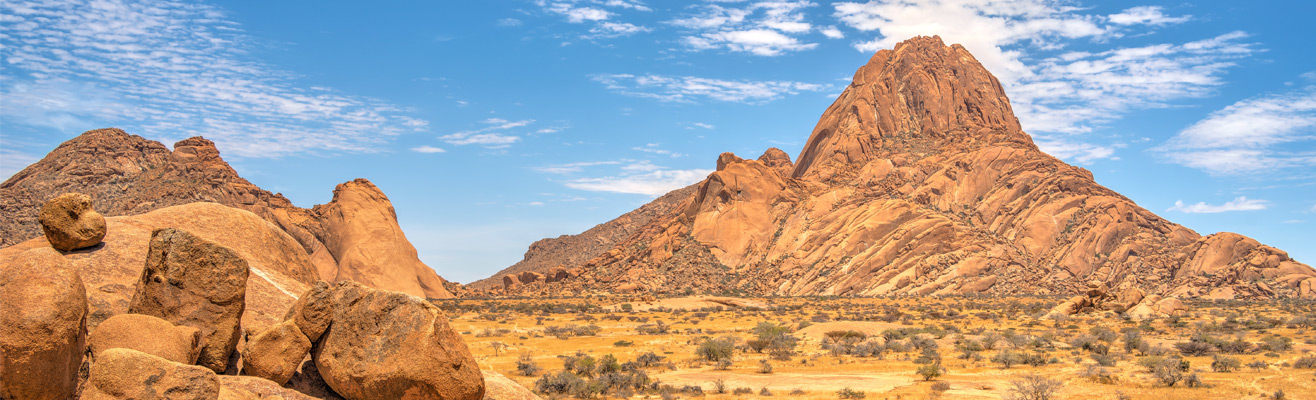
170, 70
766, 28
1249, 136
689, 89
1241, 203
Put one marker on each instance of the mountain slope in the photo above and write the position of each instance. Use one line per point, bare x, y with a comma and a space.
129, 175
919, 180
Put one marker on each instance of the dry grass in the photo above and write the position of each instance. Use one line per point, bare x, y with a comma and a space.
518, 327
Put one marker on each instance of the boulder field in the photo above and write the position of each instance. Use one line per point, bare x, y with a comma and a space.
200, 301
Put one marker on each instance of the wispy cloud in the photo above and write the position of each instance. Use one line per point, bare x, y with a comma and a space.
572, 167
765, 28
1241, 203
1249, 136
654, 183
689, 89
428, 149
169, 70
1058, 98
600, 14
655, 148
700, 125
493, 136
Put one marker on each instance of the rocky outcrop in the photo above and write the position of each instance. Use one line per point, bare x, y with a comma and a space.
147, 334
43, 325
360, 229
193, 282
919, 180
384, 344
122, 374
128, 175
69, 222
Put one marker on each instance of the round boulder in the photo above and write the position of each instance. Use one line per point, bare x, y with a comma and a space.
131, 374
391, 345
275, 353
147, 334
70, 222
43, 326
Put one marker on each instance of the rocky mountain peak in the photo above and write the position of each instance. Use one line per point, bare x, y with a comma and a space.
920, 96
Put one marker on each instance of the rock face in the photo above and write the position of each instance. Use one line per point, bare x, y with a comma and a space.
128, 175
147, 334
131, 374
498, 387
361, 230
919, 180
43, 325
384, 344
70, 223
193, 282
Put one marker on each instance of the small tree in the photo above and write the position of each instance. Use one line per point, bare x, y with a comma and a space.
931, 371
716, 350
1034, 387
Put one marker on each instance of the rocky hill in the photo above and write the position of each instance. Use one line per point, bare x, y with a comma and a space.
354, 237
919, 180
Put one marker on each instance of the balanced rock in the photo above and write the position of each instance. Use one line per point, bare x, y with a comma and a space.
313, 311
194, 282
131, 374
275, 353
43, 326
391, 345
70, 222
147, 334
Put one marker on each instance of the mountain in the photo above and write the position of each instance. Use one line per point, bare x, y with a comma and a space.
354, 237
919, 180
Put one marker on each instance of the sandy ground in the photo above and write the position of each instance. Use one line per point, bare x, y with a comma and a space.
692, 303
785, 382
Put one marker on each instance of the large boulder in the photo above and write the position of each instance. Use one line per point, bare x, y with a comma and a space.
147, 334
261, 389
384, 344
313, 311
194, 282
43, 326
275, 353
131, 374
70, 222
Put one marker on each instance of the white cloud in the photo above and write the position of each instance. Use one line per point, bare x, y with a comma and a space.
1249, 136
703, 125
1067, 93
169, 70
766, 28
491, 136
535, 204
688, 89
832, 33
572, 167
654, 148
601, 13
1148, 15
654, 183
509, 22
428, 149
1241, 203
1083, 153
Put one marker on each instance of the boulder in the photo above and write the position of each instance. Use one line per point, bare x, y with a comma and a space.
313, 311
70, 222
260, 388
147, 334
193, 282
384, 344
275, 353
43, 326
131, 374
530, 277
498, 387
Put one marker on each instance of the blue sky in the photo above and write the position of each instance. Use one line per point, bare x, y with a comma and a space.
491, 124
